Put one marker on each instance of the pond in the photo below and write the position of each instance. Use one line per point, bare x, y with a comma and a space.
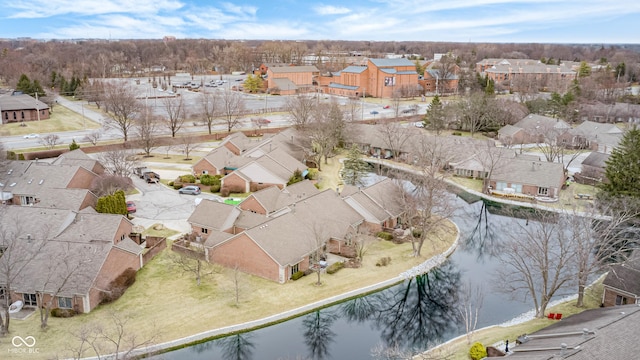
406, 318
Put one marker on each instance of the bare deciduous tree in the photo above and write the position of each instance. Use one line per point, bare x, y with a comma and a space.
301, 109
147, 125
93, 137
120, 101
176, 113
209, 103
395, 136
119, 162
232, 107
470, 304
50, 140
538, 259
193, 262
187, 144
107, 184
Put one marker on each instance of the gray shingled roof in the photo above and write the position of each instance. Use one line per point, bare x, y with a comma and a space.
214, 215
535, 173
20, 102
610, 335
596, 159
532, 122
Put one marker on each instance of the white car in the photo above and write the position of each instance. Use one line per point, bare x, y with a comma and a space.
31, 136
419, 124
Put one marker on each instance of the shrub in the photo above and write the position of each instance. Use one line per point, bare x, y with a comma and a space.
63, 313
383, 261
188, 179
118, 286
477, 351
177, 186
456, 133
416, 233
333, 268
224, 192
74, 145
210, 180
215, 188
170, 183
385, 235
297, 275
312, 174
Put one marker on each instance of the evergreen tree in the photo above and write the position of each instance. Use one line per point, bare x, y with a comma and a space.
435, 118
623, 168
355, 169
24, 84
74, 145
253, 83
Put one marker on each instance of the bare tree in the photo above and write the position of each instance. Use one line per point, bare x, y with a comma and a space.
147, 125
119, 162
112, 339
107, 184
187, 144
395, 103
64, 266
50, 141
537, 259
93, 137
176, 113
193, 262
92, 90
120, 101
232, 106
301, 109
395, 137
470, 304
20, 243
209, 104
353, 109
549, 143
599, 241
325, 132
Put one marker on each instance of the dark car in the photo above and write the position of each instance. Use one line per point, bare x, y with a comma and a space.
131, 207
191, 189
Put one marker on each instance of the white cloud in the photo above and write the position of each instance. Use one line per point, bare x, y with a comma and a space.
49, 8
331, 10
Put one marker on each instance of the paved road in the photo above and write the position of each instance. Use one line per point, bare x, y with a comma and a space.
157, 203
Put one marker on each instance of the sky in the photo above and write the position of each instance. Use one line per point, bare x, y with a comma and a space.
500, 21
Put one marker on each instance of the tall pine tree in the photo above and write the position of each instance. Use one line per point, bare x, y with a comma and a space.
623, 168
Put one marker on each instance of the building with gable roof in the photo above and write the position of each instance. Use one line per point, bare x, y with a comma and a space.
67, 256
289, 80
514, 73
22, 107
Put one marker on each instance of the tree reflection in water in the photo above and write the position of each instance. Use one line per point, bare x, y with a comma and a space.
318, 334
236, 347
414, 316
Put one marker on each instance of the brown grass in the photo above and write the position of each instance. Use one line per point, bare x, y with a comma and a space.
166, 302
61, 119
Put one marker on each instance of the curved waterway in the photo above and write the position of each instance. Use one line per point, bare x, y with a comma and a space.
407, 318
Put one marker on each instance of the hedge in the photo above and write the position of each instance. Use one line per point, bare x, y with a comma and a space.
333, 268
385, 235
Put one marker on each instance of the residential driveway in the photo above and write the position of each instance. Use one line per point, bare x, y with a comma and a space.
157, 203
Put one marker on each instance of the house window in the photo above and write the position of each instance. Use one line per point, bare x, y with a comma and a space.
27, 200
205, 231
3, 292
543, 191
294, 269
65, 303
22, 114
621, 300
14, 115
122, 237
501, 185
30, 299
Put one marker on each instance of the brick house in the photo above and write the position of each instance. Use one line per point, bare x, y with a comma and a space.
594, 136
279, 243
533, 129
22, 107
379, 204
30, 182
514, 73
220, 161
536, 179
593, 167
622, 283
72, 256
273, 168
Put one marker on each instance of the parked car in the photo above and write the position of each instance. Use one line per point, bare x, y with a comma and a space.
374, 112
261, 121
191, 189
31, 136
131, 207
419, 124
387, 107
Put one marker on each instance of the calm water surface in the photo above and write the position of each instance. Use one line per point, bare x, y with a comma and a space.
412, 316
